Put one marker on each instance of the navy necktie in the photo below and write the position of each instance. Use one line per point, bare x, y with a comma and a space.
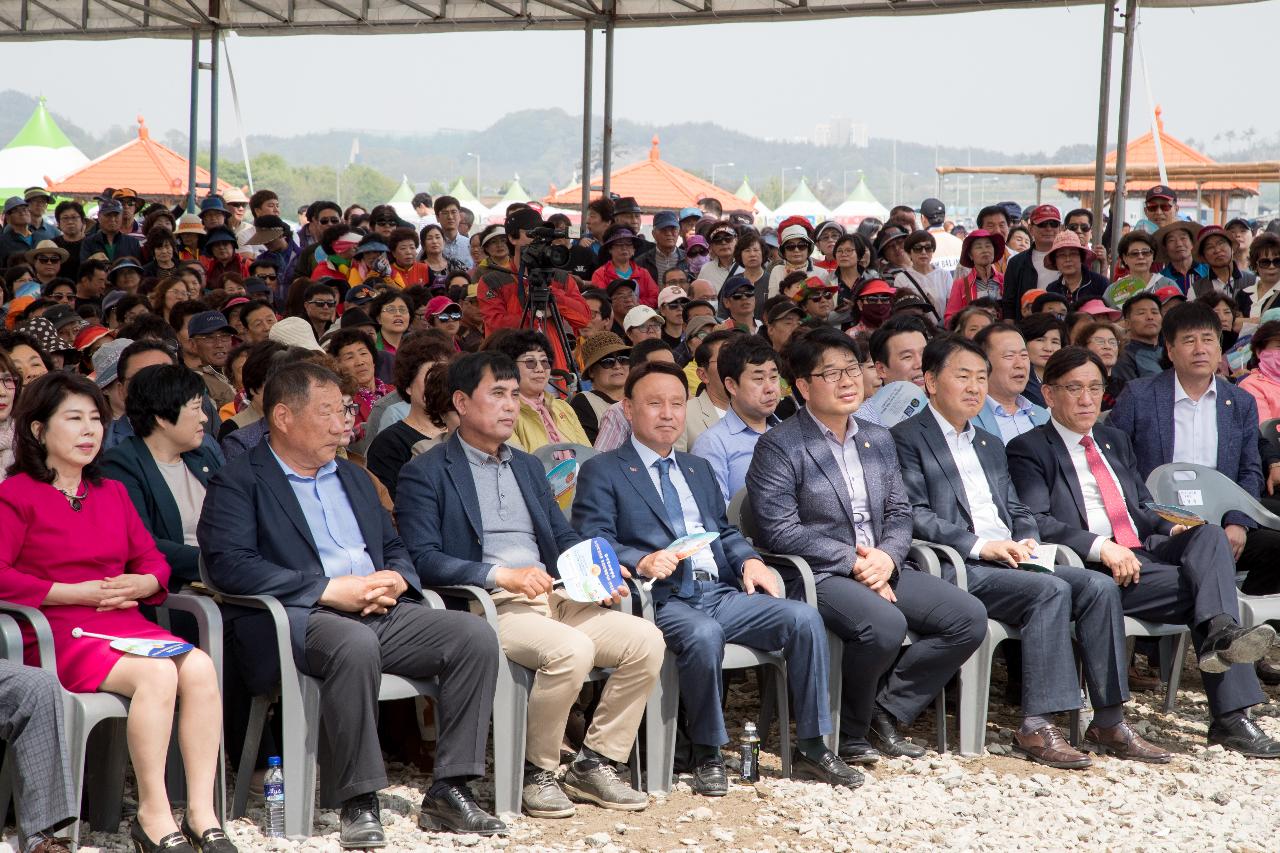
675, 517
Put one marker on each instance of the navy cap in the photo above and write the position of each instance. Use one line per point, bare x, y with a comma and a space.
665, 219
213, 202
736, 283
208, 323
110, 206
360, 294
14, 201
254, 285
371, 246
220, 234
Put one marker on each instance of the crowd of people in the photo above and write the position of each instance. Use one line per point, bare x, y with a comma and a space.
346, 417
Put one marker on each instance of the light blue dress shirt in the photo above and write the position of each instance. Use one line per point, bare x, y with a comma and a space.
729, 445
704, 560
331, 519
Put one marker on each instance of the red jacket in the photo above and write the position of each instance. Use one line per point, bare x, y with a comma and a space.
214, 271
501, 303
647, 291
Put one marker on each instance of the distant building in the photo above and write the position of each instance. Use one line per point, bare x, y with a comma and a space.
840, 132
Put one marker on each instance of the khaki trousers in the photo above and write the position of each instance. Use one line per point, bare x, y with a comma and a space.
562, 640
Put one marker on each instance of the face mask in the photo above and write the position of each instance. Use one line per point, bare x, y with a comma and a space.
875, 313
1269, 363
695, 264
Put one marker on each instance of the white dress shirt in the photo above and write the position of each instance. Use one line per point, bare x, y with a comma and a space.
987, 525
705, 559
1195, 426
849, 462
1095, 513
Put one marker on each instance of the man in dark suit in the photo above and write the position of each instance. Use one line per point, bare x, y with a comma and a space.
825, 485
1079, 478
643, 496
289, 520
973, 508
475, 511
1187, 414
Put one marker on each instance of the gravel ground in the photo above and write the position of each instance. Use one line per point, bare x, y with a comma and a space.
1206, 800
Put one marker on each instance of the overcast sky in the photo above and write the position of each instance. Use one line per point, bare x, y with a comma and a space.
1016, 81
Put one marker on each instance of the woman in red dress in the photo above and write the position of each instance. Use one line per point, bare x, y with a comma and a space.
72, 544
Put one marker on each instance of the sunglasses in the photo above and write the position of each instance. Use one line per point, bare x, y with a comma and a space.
1080, 228
921, 249
268, 276
878, 299
696, 253
721, 239
743, 295
387, 222
611, 361
62, 297
676, 303
48, 259
1160, 205
449, 316
324, 220
1268, 263
323, 303
1052, 223
791, 247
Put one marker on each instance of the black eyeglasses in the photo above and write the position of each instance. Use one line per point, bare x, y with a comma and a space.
328, 221
791, 247
392, 222
611, 361
1052, 223
877, 299
831, 377
676, 303
742, 295
62, 297
449, 316
1080, 227
323, 303
268, 276
696, 253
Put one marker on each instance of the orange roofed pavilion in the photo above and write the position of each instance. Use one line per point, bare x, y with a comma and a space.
656, 185
143, 165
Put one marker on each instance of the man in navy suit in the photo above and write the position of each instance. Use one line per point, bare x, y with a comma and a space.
825, 485
475, 511
973, 508
644, 495
1187, 414
289, 520
1079, 478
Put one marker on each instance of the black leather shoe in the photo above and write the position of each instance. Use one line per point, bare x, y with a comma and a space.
1235, 645
1268, 672
171, 843
455, 810
709, 778
884, 734
1244, 737
360, 824
859, 751
825, 768
210, 841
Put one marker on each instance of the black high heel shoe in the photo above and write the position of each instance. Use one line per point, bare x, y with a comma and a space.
210, 841
174, 842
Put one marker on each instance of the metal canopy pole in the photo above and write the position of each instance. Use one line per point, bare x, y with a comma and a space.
588, 74
193, 126
213, 111
1104, 110
607, 153
1122, 124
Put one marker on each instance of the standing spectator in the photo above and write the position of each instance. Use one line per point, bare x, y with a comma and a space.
665, 253
457, 247
619, 245
108, 239
71, 223
1161, 206
923, 277
982, 278
1070, 259
1026, 270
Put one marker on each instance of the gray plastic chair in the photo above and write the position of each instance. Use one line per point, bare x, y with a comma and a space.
102, 772
299, 697
511, 713
797, 568
1219, 494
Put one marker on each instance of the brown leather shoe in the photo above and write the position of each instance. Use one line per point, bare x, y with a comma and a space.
1123, 742
1144, 683
1047, 746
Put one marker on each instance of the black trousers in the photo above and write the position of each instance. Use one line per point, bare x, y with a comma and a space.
1188, 580
349, 653
1261, 559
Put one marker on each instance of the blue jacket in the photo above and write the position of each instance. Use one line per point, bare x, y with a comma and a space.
131, 463
256, 541
988, 420
438, 513
616, 500
1144, 413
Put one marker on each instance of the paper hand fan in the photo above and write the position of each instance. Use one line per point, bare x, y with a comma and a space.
139, 647
687, 546
589, 571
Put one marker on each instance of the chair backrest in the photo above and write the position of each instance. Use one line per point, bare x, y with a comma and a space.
1206, 492
546, 454
741, 516
204, 576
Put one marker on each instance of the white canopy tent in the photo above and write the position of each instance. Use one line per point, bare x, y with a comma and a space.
860, 204
801, 202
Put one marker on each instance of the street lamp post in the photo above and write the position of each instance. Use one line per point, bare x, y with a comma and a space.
477, 156
782, 182
715, 166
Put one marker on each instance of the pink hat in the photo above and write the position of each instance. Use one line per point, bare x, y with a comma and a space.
1098, 308
439, 304
1068, 240
966, 259
671, 294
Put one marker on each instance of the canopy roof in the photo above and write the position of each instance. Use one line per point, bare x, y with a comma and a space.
801, 202
38, 151
860, 204
100, 19
468, 200
142, 164
656, 185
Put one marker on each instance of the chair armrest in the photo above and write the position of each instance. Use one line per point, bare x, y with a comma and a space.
11, 637
798, 565
432, 599
279, 620
473, 593
208, 622
643, 597
44, 634
1070, 557
933, 551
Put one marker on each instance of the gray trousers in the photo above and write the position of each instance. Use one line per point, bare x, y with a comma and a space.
1042, 607
31, 725
349, 653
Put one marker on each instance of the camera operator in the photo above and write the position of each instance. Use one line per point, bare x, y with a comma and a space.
511, 300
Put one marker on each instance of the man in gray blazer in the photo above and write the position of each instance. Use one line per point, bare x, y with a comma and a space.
958, 481
824, 485
31, 726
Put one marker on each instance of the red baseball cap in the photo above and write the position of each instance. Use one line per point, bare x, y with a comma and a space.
1044, 213
876, 286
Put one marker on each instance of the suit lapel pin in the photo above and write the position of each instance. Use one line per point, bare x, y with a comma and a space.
635, 470
204, 469
1107, 446
984, 442
866, 444
1228, 402
690, 470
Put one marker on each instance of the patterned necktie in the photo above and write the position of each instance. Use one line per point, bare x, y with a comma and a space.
1112, 500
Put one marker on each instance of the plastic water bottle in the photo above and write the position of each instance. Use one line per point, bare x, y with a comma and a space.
273, 792
750, 746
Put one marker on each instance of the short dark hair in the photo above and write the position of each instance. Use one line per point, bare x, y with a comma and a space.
346, 337
606, 304
1263, 336
703, 356
1146, 295
1035, 326
64, 206
55, 283
160, 392
1068, 359
316, 207
986, 333
418, 349
89, 267
149, 327
249, 307
648, 369
641, 352
257, 366
1038, 304
603, 208
400, 234
1135, 236
899, 324
182, 311
467, 371
992, 210
520, 341
37, 404
382, 300
940, 350
291, 385
737, 355
261, 197
803, 352
444, 202
1079, 211
138, 347
1264, 242
1214, 298
1189, 317
319, 288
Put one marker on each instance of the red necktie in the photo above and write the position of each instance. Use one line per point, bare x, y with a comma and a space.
1112, 501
